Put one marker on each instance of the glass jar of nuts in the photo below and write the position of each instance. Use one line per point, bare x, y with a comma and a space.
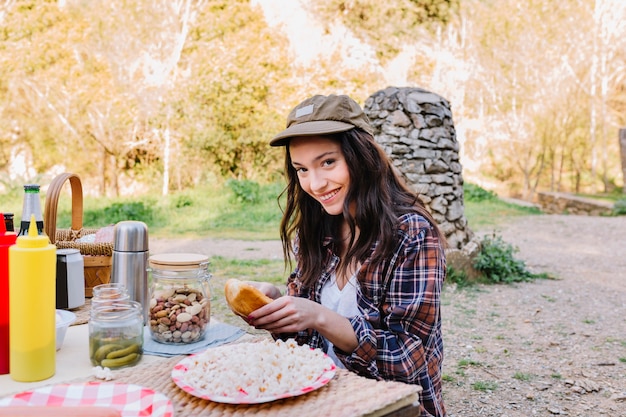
180, 306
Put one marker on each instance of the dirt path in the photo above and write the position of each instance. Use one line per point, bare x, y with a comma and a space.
544, 348
550, 347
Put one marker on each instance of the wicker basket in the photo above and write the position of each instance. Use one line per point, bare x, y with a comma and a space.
97, 256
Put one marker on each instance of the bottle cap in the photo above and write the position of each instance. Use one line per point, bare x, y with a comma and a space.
33, 239
178, 261
6, 238
130, 236
32, 188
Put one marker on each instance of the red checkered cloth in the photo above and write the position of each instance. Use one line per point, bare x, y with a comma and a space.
128, 399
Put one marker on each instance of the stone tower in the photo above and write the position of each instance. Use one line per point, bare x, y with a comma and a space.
415, 128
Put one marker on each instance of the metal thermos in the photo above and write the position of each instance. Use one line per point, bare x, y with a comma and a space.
130, 261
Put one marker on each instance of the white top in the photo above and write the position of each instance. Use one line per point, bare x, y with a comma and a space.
342, 302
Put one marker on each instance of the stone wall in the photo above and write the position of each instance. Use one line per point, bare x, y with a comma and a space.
563, 203
415, 128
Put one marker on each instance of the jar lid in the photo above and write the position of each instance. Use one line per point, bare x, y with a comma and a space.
67, 251
178, 261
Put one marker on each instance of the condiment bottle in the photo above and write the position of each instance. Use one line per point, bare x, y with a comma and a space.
7, 239
31, 207
32, 315
8, 222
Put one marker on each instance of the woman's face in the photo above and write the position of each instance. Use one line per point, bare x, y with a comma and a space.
322, 170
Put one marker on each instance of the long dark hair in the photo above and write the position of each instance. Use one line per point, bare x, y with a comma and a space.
381, 197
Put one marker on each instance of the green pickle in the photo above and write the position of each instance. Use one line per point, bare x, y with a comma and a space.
114, 353
116, 334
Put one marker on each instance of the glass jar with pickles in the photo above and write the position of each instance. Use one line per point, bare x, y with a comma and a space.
116, 334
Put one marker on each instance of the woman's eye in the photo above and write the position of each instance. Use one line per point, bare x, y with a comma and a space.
328, 162
300, 170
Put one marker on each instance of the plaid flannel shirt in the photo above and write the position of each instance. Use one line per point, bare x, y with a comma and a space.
399, 329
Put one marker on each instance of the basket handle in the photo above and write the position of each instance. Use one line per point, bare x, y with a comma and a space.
52, 202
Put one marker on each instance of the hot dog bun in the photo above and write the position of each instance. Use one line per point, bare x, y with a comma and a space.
243, 298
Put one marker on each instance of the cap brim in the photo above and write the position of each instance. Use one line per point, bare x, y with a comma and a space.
318, 127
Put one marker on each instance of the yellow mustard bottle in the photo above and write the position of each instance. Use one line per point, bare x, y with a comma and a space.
32, 307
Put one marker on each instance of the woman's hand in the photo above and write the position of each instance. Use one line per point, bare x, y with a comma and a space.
293, 314
266, 288
286, 315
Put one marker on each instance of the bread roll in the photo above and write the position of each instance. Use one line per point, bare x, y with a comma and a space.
243, 298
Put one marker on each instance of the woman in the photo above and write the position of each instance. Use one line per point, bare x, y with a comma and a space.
370, 259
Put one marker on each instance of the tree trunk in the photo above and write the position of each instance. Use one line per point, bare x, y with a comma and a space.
622, 147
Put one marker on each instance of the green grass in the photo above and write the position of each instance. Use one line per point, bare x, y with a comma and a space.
488, 215
235, 209
521, 376
607, 197
206, 211
485, 386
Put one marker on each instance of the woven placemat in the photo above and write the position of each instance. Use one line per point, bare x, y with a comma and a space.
347, 394
82, 313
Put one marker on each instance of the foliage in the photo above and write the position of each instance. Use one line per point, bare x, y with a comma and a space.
458, 277
135, 210
539, 139
387, 25
238, 97
619, 207
496, 260
128, 94
485, 386
475, 193
245, 191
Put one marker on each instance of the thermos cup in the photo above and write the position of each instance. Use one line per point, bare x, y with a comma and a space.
130, 260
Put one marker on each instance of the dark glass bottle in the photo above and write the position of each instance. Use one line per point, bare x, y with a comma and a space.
32, 206
8, 222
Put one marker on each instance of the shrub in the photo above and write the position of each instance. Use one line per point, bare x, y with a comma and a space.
244, 191
133, 210
475, 193
619, 208
457, 276
182, 200
497, 262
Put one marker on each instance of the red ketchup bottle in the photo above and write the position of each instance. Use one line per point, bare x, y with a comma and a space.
6, 239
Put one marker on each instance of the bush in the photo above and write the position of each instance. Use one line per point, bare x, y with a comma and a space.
497, 262
458, 277
245, 191
116, 212
475, 193
182, 200
619, 208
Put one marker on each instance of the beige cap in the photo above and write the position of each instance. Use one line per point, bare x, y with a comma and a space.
323, 115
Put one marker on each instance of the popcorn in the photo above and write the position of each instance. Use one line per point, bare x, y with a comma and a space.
259, 369
102, 373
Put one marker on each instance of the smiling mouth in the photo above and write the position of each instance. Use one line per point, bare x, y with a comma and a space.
328, 196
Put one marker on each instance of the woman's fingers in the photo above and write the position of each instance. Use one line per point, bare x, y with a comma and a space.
283, 313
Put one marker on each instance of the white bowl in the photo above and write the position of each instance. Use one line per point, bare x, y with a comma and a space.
64, 319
